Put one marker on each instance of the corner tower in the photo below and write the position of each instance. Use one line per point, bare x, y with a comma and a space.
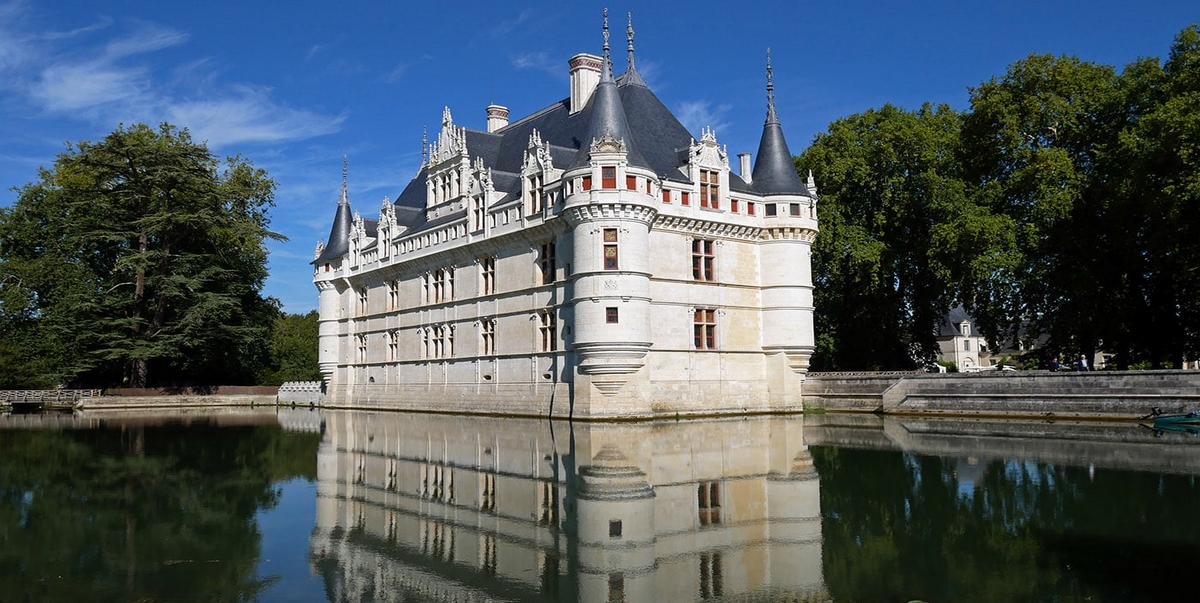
786, 254
610, 208
328, 277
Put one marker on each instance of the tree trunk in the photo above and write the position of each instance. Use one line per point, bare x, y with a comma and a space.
138, 366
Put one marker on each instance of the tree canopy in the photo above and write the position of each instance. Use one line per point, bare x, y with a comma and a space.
1062, 209
138, 260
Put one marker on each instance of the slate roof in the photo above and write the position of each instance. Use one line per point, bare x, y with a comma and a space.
952, 321
655, 140
338, 243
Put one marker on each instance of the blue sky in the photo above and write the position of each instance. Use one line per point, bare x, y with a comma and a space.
294, 85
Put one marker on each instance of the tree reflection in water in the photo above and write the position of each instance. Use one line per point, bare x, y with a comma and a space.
140, 513
943, 529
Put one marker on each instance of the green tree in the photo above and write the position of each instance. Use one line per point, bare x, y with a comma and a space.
899, 236
139, 255
293, 350
1033, 146
1158, 155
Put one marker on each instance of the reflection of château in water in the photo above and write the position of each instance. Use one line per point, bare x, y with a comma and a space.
440, 508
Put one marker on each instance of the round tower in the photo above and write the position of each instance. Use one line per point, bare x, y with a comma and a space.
610, 206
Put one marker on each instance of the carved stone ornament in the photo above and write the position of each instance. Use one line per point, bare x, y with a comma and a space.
608, 144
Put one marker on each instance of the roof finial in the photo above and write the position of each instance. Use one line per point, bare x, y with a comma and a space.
770, 83
629, 34
771, 117
345, 198
424, 146
607, 60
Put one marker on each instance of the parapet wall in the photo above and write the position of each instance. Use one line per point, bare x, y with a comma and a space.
1102, 394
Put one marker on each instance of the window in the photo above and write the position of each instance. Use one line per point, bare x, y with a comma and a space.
362, 347
362, 301
614, 528
711, 579
439, 286
587, 183
548, 501
547, 262
794, 209
684, 199
487, 333
770, 209
750, 208
477, 213
537, 200
426, 344
666, 199
608, 177
487, 275
710, 189
966, 345
439, 342
426, 287
966, 329
393, 345
616, 588
631, 182
708, 499
705, 329
733, 205
487, 492
393, 295
610, 249
548, 330
610, 316
702, 260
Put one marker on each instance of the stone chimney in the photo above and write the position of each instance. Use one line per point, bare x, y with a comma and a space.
497, 117
585, 76
744, 166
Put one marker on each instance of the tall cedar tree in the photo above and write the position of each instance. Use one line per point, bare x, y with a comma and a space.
139, 260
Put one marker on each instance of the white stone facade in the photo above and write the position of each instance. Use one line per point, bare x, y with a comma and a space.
636, 275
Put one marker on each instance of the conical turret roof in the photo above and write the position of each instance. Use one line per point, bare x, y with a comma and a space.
338, 243
774, 173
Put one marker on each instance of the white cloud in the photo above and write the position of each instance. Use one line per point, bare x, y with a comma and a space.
118, 80
540, 61
72, 87
148, 38
248, 114
698, 114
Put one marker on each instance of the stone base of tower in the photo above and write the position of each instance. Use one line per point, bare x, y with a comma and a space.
672, 383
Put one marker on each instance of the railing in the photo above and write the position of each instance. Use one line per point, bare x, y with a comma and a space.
43, 396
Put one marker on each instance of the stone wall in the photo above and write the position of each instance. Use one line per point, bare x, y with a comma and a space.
1108, 394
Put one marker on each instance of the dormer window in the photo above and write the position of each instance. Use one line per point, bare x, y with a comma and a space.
536, 198
608, 177
710, 189
966, 329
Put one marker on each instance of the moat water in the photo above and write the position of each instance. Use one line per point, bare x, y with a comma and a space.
303, 505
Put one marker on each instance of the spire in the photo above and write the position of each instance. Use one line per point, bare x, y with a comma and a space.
631, 75
424, 146
629, 35
772, 118
345, 198
338, 243
774, 172
607, 59
606, 115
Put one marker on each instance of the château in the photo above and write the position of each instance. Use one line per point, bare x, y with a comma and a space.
593, 259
